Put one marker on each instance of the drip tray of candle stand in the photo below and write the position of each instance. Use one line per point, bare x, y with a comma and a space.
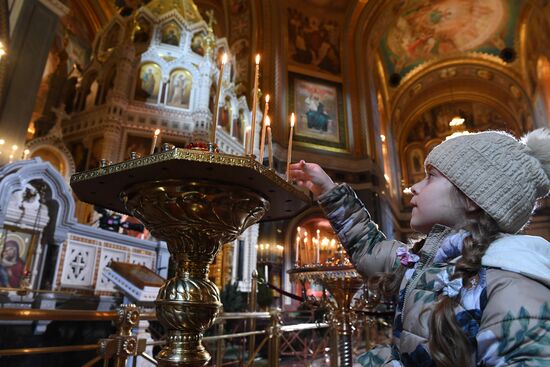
102, 186
196, 201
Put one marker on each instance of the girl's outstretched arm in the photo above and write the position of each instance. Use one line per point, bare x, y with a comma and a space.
364, 242
312, 177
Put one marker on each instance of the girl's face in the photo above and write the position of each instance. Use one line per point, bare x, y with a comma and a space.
435, 201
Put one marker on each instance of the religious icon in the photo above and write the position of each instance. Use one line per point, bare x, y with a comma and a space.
197, 43
170, 35
313, 41
179, 92
224, 115
15, 248
238, 126
320, 117
147, 87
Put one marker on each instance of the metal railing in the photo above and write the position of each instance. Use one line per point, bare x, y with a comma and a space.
122, 345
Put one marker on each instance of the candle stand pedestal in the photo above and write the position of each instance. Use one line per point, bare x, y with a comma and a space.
196, 201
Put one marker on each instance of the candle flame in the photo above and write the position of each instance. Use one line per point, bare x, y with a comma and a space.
248, 128
224, 58
292, 119
157, 132
26, 151
267, 121
257, 59
2, 142
14, 147
267, 98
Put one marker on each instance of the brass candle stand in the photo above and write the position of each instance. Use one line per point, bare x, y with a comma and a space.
195, 201
340, 278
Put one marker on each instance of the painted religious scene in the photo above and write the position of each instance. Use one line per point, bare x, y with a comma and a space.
424, 30
179, 90
314, 42
317, 109
148, 85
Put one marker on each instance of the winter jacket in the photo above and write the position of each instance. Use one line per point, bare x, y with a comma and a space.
505, 312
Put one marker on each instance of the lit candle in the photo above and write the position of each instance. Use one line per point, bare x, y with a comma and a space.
289, 152
266, 273
26, 153
155, 137
254, 103
269, 143
296, 255
306, 252
246, 139
214, 125
318, 245
262, 137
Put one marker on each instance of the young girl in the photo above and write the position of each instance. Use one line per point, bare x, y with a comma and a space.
473, 292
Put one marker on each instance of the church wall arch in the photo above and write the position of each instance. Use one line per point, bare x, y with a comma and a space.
111, 38
60, 160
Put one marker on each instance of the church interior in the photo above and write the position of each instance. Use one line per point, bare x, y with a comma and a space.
363, 88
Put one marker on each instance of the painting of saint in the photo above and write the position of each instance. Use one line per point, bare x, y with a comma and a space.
197, 43
238, 126
170, 35
224, 115
148, 85
13, 257
314, 41
316, 106
12, 267
179, 91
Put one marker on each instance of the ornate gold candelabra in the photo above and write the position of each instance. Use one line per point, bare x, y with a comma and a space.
195, 201
341, 279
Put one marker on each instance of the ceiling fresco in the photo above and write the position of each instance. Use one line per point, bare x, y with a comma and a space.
424, 30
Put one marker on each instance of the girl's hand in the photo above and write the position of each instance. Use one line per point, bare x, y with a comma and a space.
311, 176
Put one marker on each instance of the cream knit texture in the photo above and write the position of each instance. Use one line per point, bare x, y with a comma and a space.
497, 172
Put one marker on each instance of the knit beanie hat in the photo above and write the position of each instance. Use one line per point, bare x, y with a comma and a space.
502, 175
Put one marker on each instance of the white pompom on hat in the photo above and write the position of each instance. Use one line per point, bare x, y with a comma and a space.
502, 175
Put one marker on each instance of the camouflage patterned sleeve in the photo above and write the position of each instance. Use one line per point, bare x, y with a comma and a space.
366, 245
